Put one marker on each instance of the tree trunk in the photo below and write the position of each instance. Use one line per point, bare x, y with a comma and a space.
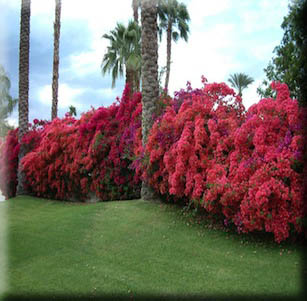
56, 59
168, 53
130, 80
23, 105
135, 7
21, 176
150, 84
137, 81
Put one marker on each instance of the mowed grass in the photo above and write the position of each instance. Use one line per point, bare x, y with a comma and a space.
137, 248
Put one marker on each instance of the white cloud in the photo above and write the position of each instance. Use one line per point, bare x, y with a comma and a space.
42, 8
264, 17
11, 4
85, 62
101, 16
108, 93
12, 121
204, 54
262, 50
199, 10
249, 95
67, 96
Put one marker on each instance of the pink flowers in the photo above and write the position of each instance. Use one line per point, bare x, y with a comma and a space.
245, 165
68, 158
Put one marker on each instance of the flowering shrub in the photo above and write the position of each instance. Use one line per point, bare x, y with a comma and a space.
110, 134
77, 159
9, 150
246, 166
46, 167
266, 167
181, 148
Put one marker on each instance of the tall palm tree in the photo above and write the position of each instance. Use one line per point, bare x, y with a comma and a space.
23, 105
56, 59
150, 83
174, 18
240, 81
124, 52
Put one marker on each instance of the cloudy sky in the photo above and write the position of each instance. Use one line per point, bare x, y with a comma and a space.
226, 36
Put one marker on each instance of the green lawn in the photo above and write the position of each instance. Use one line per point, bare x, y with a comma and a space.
137, 248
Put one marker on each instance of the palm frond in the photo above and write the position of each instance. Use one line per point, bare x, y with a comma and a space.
240, 81
124, 48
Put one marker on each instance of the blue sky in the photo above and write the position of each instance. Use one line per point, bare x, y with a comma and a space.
226, 36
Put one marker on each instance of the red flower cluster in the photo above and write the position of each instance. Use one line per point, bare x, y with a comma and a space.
246, 166
9, 150
77, 159
266, 166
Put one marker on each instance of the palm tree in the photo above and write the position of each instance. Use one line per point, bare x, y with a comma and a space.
124, 52
23, 104
174, 18
150, 83
7, 102
56, 59
240, 81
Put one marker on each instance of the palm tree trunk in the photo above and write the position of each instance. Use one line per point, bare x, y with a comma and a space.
137, 81
168, 54
150, 84
23, 105
56, 59
135, 7
130, 79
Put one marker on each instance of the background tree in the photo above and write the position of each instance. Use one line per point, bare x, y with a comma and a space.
240, 81
23, 103
289, 65
124, 53
299, 25
7, 102
174, 18
150, 84
56, 59
72, 111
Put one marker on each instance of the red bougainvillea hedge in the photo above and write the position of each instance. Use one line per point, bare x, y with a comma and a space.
88, 158
247, 166
204, 149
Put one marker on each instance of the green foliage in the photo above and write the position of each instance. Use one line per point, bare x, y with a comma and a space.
289, 65
240, 81
7, 102
123, 53
5, 128
176, 14
72, 111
